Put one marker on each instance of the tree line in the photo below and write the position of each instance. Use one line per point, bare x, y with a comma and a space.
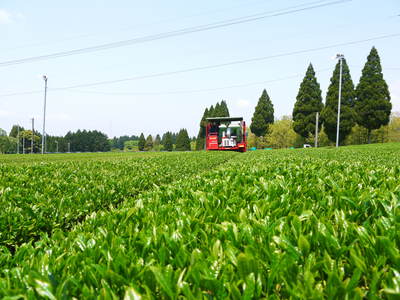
20, 141
365, 111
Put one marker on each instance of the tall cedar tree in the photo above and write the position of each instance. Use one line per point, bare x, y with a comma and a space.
263, 115
14, 130
308, 103
149, 143
202, 132
329, 112
168, 144
183, 141
142, 142
372, 104
224, 111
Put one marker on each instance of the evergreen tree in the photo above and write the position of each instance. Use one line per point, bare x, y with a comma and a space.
211, 112
372, 104
168, 145
14, 130
183, 141
263, 115
142, 142
217, 110
224, 109
157, 143
329, 112
202, 132
308, 103
149, 143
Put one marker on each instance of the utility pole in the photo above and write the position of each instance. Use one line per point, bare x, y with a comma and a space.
56, 146
69, 147
44, 116
23, 144
33, 134
340, 57
316, 129
18, 139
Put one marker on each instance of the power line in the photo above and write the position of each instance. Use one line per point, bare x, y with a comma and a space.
208, 67
81, 36
196, 90
185, 31
249, 60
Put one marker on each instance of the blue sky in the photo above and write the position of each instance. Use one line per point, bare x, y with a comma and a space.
157, 104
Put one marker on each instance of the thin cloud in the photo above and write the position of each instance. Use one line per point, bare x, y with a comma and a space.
5, 17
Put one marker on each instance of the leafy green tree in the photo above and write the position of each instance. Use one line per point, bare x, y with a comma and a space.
157, 143
149, 143
8, 144
308, 103
281, 134
263, 115
372, 104
183, 141
3, 132
168, 145
329, 112
14, 130
26, 138
142, 142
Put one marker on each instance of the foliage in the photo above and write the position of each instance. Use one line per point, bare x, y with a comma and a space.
87, 141
8, 144
168, 142
3, 132
308, 103
149, 143
183, 141
330, 111
282, 224
131, 145
281, 134
14, 130
263, 115
142, 142
372, 105
157, 143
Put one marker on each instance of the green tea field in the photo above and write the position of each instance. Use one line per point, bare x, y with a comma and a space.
300, 224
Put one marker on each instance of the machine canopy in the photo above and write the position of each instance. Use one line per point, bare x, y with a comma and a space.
225, 119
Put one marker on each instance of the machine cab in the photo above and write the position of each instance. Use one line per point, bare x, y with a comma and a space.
226, 133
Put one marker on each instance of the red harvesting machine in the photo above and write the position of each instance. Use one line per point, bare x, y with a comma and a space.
225, 133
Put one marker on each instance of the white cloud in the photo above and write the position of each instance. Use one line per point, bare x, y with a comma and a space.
5, 17
242, 103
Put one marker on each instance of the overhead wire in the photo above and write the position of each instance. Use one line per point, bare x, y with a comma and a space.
184, 31
208, 67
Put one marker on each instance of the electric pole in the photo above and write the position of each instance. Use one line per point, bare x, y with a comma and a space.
316, 129
56, 146
33, 134
18, 139
69, 147
44, 116
340, 57
23, 144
